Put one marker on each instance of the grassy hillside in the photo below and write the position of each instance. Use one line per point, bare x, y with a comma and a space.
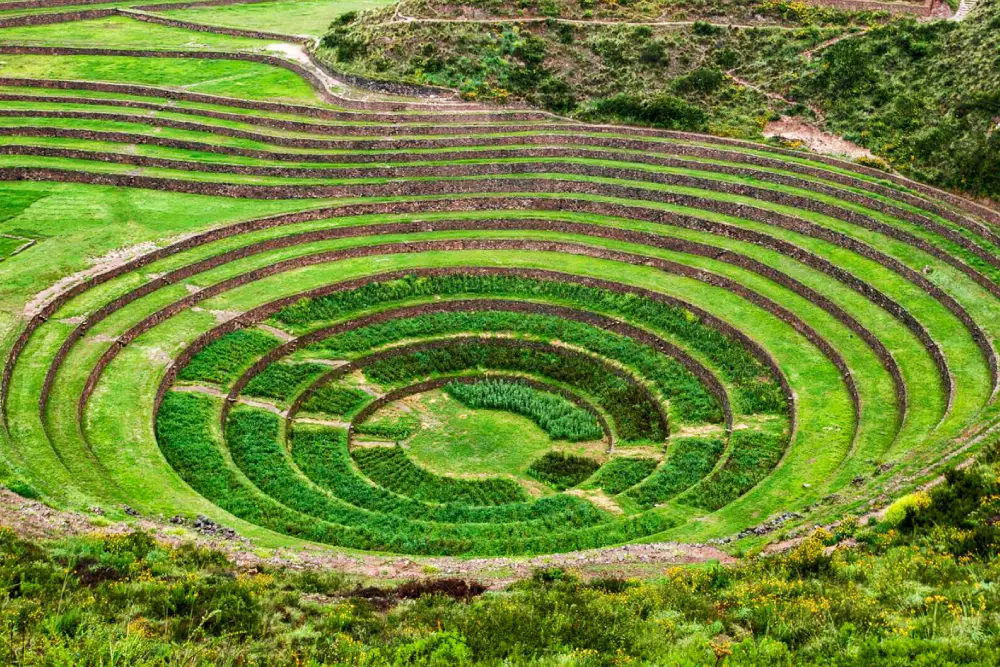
663, 75
917, 587
924, 96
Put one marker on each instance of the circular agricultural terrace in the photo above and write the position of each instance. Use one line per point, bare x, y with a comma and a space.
627, 334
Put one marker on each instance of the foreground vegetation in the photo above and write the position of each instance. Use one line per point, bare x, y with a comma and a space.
919, 586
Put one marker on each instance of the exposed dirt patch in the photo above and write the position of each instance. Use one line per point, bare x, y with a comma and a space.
796, 129
112, 260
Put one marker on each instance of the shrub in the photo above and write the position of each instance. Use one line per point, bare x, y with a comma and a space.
661, 110
906, 507
561, 471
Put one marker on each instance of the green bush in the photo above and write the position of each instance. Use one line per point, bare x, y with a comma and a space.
660, 110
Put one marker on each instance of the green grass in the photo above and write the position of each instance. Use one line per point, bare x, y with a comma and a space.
119, 32
9, 244
231, 78
459, 440
297, 17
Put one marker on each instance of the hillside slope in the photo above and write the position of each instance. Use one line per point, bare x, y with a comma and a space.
923, 95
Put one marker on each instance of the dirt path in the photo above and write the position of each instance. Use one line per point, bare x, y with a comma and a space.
402, 18
808, 55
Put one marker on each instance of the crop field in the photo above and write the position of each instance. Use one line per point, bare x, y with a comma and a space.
236, 284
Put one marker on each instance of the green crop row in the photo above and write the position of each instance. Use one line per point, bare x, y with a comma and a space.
336, 401
690, 401
554, 414
224, 360
621, 473
757, 390
752, 457
391, 468
322, 454
252, 436
283, 381
690, 459
396, 428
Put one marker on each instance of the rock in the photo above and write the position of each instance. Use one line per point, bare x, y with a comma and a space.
206, 526
178, 520
97, 510
131, 512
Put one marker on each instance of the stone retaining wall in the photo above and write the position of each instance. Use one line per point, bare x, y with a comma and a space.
58, 17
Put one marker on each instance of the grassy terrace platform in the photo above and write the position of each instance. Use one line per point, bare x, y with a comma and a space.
316, 313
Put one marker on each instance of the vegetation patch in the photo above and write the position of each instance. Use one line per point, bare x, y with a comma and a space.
336, 401
561, 471
283, 381
557, 416
391, 468
621, 473
752, 455
689, 460
224, 360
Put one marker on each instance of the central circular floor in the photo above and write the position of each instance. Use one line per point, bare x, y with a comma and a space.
453, 439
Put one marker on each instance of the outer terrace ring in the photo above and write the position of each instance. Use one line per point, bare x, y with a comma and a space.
770, 227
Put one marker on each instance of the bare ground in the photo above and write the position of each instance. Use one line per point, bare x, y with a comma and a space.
796, 129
